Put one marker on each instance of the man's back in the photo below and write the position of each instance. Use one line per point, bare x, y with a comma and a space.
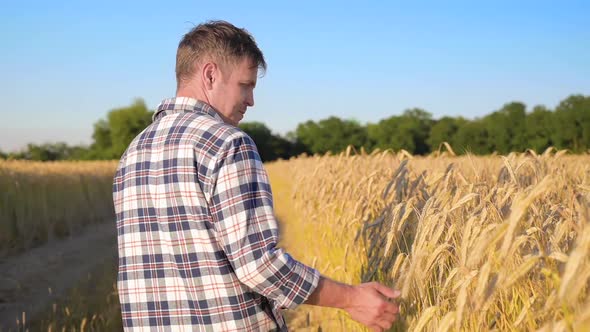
196, 229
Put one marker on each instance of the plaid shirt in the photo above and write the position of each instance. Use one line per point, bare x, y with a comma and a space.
196, 231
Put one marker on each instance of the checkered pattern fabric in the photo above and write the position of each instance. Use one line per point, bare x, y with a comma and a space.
197, 237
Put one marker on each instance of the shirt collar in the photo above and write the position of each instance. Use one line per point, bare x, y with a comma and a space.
184, 104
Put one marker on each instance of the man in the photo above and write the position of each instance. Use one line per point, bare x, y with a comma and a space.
196, 230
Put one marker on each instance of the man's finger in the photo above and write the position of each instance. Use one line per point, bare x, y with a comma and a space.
375, 328
384, 324
388, 292
392, 308
389, 317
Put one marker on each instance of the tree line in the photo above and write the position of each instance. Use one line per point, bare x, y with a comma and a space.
511, 128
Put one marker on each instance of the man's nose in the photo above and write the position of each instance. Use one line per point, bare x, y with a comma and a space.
250, 100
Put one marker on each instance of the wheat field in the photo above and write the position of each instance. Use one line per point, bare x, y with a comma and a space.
42, 201
474, 243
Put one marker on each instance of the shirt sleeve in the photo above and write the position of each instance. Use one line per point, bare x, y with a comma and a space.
245, 226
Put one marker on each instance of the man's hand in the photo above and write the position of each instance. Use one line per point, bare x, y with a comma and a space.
368, 304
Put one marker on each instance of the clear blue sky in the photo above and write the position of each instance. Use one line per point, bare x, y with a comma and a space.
65, 64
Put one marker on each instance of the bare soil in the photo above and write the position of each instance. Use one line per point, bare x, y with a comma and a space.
32, 281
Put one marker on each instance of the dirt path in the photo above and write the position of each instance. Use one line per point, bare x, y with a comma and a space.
31, 281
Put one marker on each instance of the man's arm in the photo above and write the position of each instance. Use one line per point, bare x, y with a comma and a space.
366, 303
243, 217
245, 227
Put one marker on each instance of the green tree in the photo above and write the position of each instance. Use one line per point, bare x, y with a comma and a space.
409, 131
126, 123
516, 114
113, 135
296, 147
271, 146
573, 123
102, 146
331, 134
51, 152
391, 133
419, 122
444, 130
283, 148
263, 138
472, 137
45, 152
539, 128
506, 128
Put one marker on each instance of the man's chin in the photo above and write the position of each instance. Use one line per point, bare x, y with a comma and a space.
237, 121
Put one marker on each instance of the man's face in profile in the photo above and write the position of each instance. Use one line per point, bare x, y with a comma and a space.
234, 93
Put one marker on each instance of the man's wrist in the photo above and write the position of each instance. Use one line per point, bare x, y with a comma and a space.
330, 293
349, 295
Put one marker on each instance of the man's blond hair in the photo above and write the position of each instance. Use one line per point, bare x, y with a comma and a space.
217, 41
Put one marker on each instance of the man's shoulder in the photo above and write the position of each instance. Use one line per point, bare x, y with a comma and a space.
206, 135
210, 128
213, 135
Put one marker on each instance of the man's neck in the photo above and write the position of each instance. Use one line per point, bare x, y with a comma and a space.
192, 91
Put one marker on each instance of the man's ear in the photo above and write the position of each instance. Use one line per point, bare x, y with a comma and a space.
209, 74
